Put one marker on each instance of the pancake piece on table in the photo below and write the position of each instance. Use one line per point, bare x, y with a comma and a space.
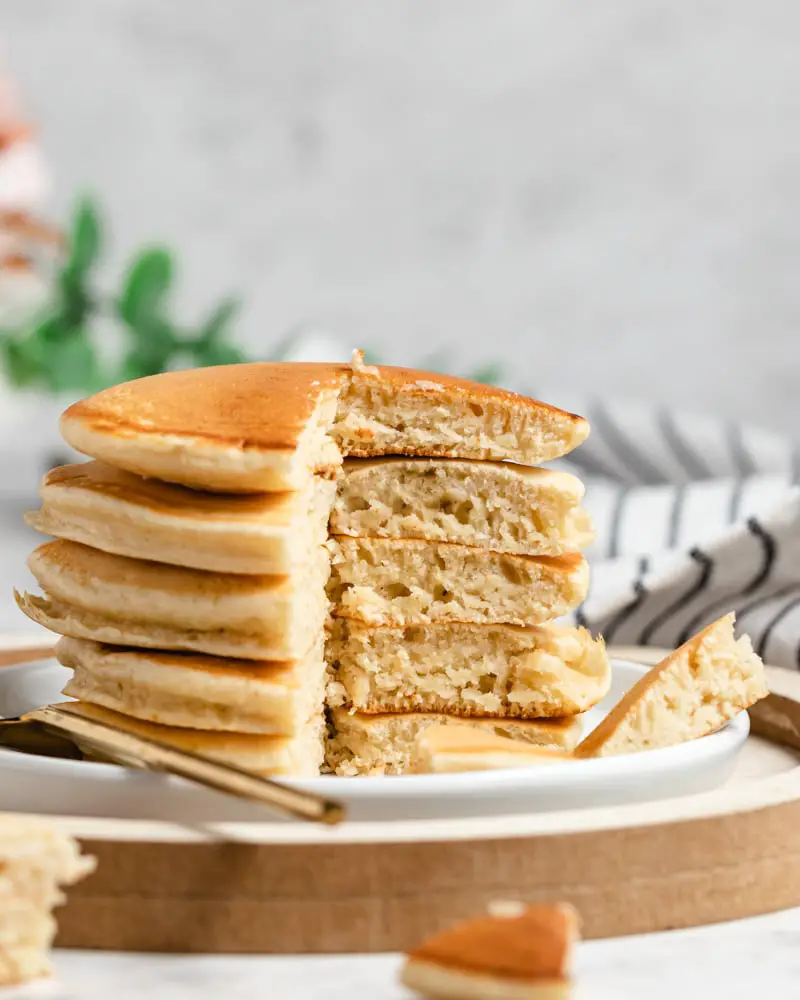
387, 581
689, 694
36, 862
515, 952
115, 511
270, 756
469, 670
385, 744
269, 426
491, 505
95, 595
196, 692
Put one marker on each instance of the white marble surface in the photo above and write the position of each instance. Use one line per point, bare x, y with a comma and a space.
737, 961
596, 195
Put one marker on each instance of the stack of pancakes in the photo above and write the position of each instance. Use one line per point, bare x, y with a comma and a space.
253, 542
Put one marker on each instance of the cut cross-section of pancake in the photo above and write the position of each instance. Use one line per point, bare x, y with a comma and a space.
271, 756
113, 599
116, 511
385, 581
268, 426
493, 505
194, 691
514, 953
493, 670
385, 744
691, 693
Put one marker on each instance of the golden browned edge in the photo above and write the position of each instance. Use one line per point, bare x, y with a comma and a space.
70, 557
256, 670
106, 481
611, 722
179, 735
566, 562
263, 405
554, 725
534, 945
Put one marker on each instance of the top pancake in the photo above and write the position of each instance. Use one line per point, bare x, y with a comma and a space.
268, 426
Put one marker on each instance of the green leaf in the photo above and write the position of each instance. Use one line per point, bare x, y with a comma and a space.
84, 247
72, 364
148, 281
217, 354
23, 362
217, 323
489, 374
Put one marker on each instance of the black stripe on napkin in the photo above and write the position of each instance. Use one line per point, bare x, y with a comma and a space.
640, 595
759, 578
754, 605
692, 462
641, 467
706, 564
616, 521
742, 459
592, 465
776, 619
675, 517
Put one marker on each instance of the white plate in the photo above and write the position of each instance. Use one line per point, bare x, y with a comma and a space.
79, 788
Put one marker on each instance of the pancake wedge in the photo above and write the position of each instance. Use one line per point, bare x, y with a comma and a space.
385, 744
469, 670
271, 756
386, 581
90, 594
492, 505
267, 427
691, 693
516, 953
116, 511
197, 692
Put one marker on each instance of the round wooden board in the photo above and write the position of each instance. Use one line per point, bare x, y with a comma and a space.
290, 888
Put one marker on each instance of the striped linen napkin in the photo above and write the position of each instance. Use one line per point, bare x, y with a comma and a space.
695, 517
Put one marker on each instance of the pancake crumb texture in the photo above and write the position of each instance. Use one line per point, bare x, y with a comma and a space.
468, 670
387, 744
392, 582
484, 504
436, 416
691, 693
36, 862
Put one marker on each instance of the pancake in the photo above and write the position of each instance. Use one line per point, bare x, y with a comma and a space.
384, 581
692, 692
95, 595
517, 952
116, 511
384, 744
443, 750
197, 692
492, 505
467, 670
268, 426
270, 756
36, 861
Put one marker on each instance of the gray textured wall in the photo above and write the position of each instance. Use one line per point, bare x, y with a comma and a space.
606, 193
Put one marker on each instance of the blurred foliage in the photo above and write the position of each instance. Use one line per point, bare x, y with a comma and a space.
57, 351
